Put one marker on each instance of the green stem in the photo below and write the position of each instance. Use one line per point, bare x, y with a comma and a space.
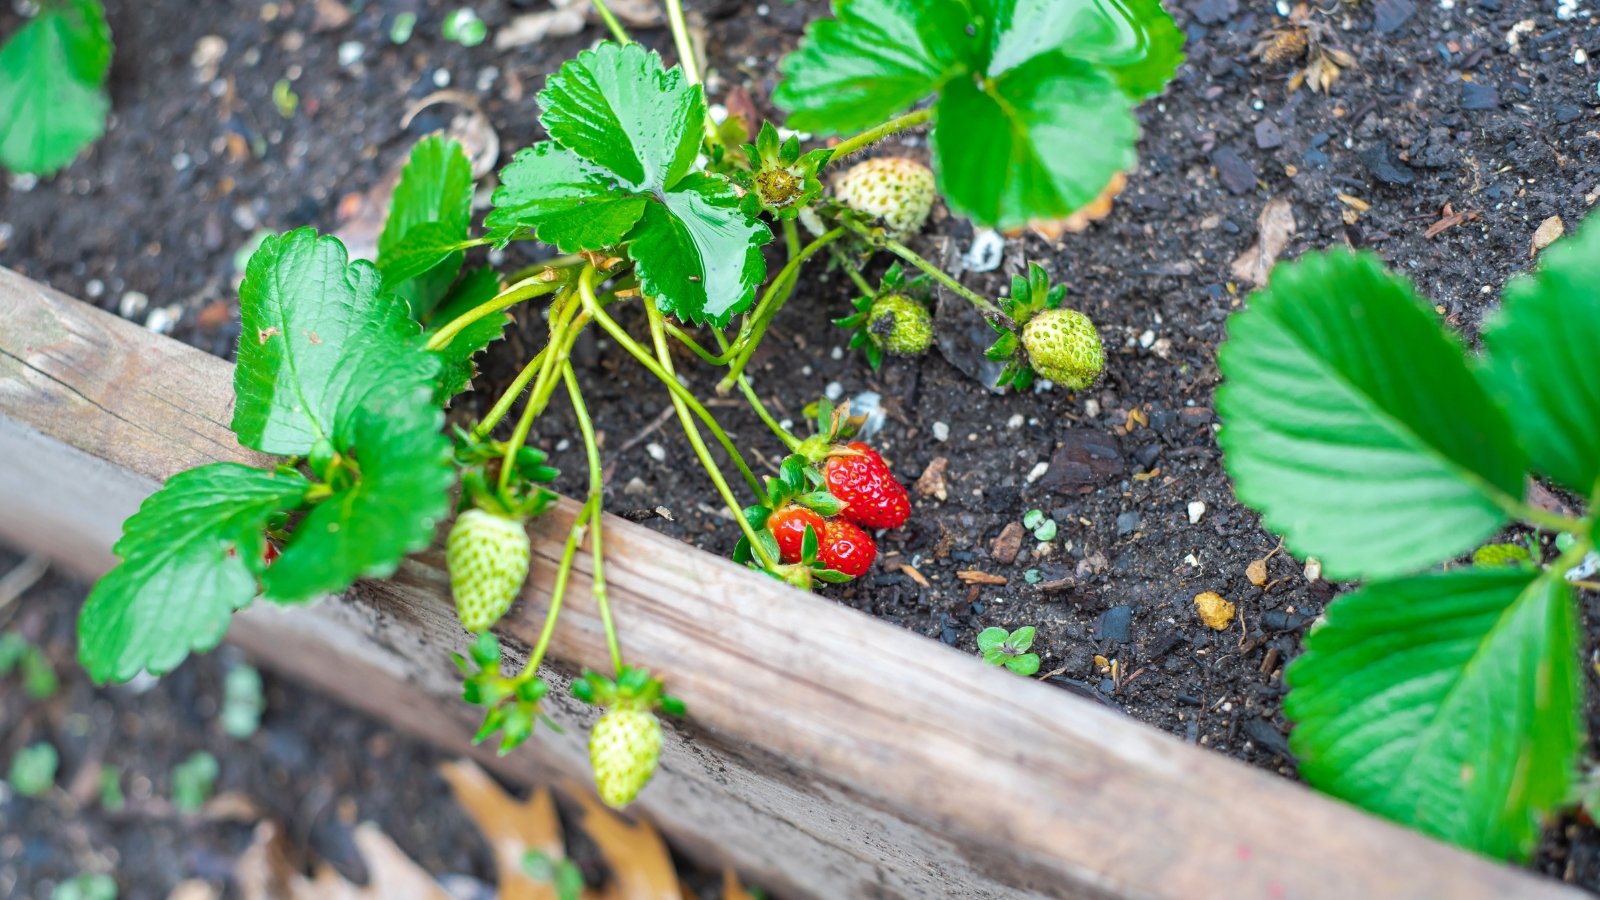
556, 262
686, 339
659, 336
791, 238
854, 272
557, 592
1545, 519
983, 304
525, 289
595, 508
504, 404
667, 378
562, 333
777, 293
687, 58
617, 31
873, 135
789, 440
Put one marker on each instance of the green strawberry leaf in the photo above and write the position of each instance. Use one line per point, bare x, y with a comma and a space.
563, 199
873, 59
1039, 143
699, 253
435, 188
478, 287
1352, 424
1448, 702
626, 134
1542, 360
617, 107
1034, 111
191, 555
52, 97
364, 529
318, 336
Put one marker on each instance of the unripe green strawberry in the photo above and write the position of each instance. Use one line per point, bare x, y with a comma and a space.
897, 190
900, 325
623, 749
1064, 347
487, 555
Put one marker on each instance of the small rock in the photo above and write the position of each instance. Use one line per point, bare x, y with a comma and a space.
1215, 610
1380, 161
1257, 572
1015, 421
988, 249
833, 391
1037, 472
1007, 544
1266, 736
1085, 457
162, 319
1115, 624
208, 53
1233, 170
1197, 509
1546, 234
1268, 134
1279, 620
941, 431
932, 483
132, 304
350, 53
1389, 15
635, 487
1475, 95
656, 451
1128, 522
1313, 570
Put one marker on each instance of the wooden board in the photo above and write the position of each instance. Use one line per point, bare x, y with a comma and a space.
827, 754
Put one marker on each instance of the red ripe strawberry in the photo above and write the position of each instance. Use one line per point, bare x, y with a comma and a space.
846, 548
862, 482
788, 525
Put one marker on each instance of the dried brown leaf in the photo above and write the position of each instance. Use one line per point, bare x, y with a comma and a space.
1274, 228
265, 871
641, 867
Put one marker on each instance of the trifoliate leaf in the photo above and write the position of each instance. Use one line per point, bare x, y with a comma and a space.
191, 555
619, 108
699, 253
1034, 111
318, 336
435, 188
1351, 422
477, 288
1448, 702
1542, 364
564, 199
365, 529
52, 76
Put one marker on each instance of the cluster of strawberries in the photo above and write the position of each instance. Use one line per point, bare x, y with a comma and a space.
869, 497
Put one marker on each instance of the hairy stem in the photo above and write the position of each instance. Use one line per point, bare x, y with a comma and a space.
873, 135
777, 293
617, 31
659, 336
854, 271
504, 404
984, 304
526, 289
1545, 519
667, 378
789, 440
557, 592
688, 59
595, 508
567, 318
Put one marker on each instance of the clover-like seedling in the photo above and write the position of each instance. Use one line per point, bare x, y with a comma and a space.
33, 769
193, 781
999, 647
1043, 527
782, 180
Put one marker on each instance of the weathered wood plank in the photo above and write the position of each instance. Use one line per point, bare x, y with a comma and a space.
828, 754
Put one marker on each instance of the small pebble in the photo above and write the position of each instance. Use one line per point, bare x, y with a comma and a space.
562, 445
1196, 510
441, 78
833, 391
836, 353
350, 53
988, 249
1037, 472
656, 451
132, 304
1015, 421
635, 487
94, 288
941, 431
163, 318
1146, 338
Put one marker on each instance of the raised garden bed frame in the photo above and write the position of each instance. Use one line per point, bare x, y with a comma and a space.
827, 754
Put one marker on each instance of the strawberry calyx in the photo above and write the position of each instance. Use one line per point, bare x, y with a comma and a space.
481, 462
512, 704
633, 689
781, 181
1029, 297
893, 320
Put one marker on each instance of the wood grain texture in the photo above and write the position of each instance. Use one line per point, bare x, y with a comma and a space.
827, 754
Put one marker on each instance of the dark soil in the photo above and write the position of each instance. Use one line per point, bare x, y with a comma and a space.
1440, 111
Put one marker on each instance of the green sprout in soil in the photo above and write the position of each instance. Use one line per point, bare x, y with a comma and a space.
1449, 698
999, 647
653, 224
33, 769
242, 702
87, 886
21, 656
193, 781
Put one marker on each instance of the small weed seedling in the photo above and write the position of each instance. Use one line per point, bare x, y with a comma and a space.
33, 769
1447, 700
18, 654
53, 100
1010, 649
193, 781
344, 366
87, 886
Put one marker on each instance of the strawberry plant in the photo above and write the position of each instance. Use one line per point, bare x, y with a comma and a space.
1447, 699
53, 100
344, 366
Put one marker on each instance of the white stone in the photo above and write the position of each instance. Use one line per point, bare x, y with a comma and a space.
1196, 509
656, 451
941, 431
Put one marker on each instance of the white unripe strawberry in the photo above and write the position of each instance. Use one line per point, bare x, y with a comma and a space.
897, 191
